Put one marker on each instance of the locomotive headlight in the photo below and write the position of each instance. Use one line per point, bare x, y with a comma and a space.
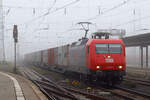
109, 56
97, 67
120, 67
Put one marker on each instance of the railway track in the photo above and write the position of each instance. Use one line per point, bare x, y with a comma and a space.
127, 94
45, 88
134, 92
138, 80
55, 92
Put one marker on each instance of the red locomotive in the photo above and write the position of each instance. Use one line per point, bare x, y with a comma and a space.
92, 59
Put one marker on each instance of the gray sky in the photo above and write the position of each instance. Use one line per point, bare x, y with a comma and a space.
59, 25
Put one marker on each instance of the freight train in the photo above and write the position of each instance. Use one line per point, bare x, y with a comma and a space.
92, 59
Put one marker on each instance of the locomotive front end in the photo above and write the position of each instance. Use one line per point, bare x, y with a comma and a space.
106, 59
109, 56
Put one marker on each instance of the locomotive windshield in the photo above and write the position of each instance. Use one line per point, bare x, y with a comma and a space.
103, 48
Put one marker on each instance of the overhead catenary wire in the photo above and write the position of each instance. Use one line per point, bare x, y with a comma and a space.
50, 12
131, 21
28, 7
109, 10
54, 2
23, 7
123, 23
49, 9
114, 6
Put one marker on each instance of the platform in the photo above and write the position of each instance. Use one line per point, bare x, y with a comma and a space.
15, 87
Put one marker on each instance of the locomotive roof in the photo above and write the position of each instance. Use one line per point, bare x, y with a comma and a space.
85, 40
105, 41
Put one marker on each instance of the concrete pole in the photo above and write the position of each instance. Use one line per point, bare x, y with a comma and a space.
147, 56
2, 47
141, 56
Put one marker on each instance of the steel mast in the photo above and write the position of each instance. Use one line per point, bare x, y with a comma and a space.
2, 44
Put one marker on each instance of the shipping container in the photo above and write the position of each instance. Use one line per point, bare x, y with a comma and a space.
37, 57
51, 56
56, 56
65, 54
41, 62
45, 57
77, 59
68, 46
60, 55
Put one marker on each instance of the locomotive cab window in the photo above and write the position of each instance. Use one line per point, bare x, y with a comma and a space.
108, 48
101, 48
115, 48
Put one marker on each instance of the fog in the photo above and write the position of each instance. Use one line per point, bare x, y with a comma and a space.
49, 23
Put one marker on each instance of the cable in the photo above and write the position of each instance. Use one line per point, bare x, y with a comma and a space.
44, 15
54, 2
121, 12
8, 11
52, 6
69, 4
23, 7
143, 18
113, 8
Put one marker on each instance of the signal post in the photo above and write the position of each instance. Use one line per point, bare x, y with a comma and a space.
15, 36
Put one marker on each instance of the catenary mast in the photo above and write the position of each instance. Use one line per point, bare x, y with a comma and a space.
2, 48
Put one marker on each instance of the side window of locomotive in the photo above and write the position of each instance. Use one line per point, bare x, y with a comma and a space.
101, 48
115, 48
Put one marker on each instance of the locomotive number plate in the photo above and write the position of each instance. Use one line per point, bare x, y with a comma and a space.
109, 60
